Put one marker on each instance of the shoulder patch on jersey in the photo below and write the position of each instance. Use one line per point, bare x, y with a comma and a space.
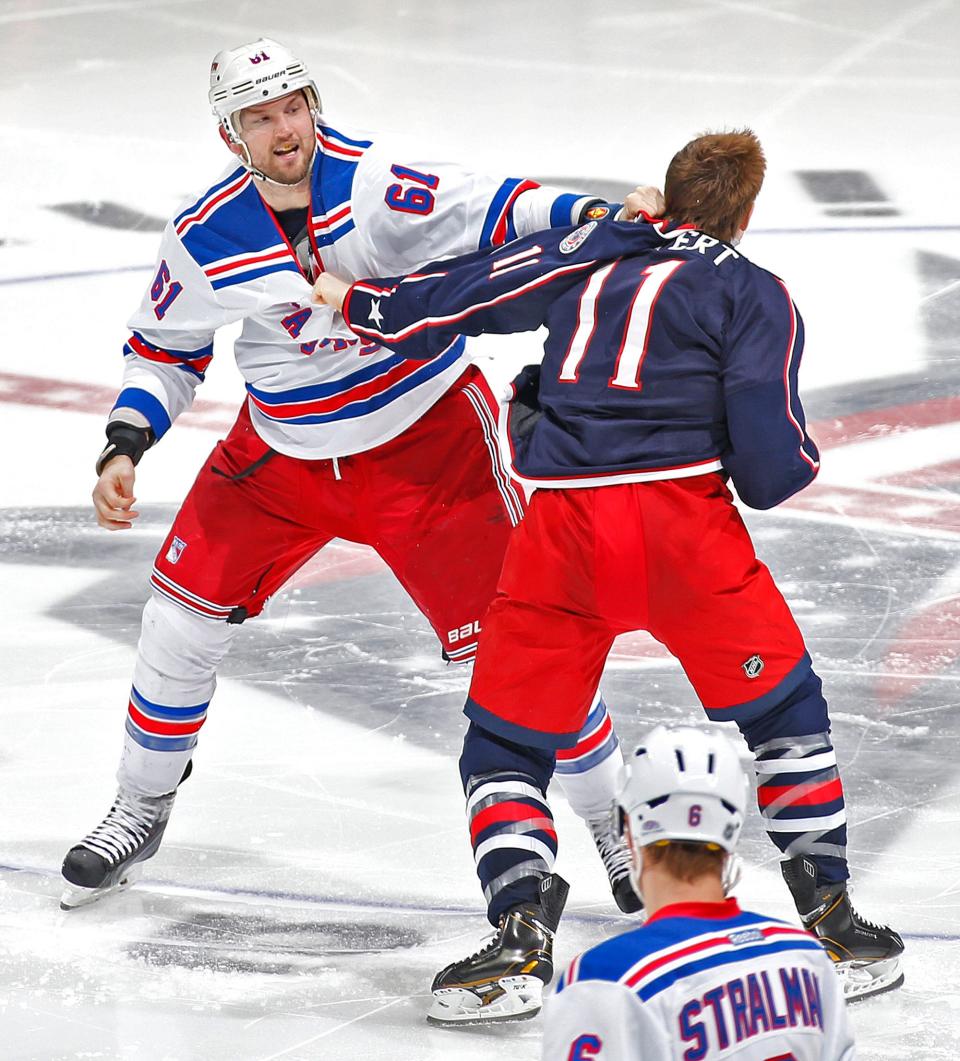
745, 935
576, 238
597, 213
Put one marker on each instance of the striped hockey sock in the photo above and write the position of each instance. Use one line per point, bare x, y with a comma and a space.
173, 683
800, 796
158, 742
798, 785
513, 837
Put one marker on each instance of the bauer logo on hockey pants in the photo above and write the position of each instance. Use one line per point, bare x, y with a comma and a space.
468, 630
752, 667
570, 243
176, 549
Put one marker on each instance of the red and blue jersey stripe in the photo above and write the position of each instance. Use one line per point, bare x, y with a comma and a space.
333, 225
683, 940
232, 185
357, 394
498, 225
195, 362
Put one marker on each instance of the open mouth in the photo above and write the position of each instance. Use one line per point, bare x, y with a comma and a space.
287, 152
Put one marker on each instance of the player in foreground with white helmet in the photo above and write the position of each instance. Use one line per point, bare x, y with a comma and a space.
339, 437
701, 978
670, 366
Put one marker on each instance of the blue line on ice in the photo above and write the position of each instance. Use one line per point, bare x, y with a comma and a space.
582, 917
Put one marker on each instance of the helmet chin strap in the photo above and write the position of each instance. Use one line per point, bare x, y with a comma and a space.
636, 869
732, 872
235, 138
261, 176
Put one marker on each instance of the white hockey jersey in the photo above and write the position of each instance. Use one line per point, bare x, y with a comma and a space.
314, 389
699, 982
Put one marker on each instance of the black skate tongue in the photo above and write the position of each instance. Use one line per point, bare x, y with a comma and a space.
553, 897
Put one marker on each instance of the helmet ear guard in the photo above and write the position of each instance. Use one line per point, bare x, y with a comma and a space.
682, 786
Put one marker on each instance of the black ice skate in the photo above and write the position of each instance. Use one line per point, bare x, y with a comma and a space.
108, 858
505, 980
867, 956
616, 861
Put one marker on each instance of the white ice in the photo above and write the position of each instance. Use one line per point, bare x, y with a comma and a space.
316, 872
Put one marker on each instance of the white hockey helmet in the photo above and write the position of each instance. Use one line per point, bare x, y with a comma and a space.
685, 785
255, 73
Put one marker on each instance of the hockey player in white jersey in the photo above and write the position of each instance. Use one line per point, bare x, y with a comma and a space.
337, 438
701, 978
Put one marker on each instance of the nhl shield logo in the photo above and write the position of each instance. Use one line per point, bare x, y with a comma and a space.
570, 243
752, 667
176, 549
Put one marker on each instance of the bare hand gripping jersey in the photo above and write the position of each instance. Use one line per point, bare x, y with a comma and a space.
700, 982
314, 389
669, 354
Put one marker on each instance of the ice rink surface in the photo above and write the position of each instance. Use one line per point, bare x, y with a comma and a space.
316, 871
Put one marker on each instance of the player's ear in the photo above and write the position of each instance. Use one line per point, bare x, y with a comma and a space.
745, 220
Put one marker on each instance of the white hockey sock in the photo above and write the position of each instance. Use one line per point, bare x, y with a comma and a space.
589, 773
173, 682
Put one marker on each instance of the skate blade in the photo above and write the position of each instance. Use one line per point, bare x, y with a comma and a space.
74, 896
520, 999
862, 980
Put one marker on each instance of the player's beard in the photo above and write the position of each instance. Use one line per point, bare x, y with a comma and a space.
289, 173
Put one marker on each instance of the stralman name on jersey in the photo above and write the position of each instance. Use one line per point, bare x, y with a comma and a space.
700, 982
314, 389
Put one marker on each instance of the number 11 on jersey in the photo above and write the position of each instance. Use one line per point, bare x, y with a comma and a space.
636, 330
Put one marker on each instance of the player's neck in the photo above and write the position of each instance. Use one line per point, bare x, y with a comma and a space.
663, 889
284, 197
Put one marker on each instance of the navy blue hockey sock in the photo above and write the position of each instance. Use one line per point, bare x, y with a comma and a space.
511, 826
799, 791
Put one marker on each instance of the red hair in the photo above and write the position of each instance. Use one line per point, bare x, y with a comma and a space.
712, 182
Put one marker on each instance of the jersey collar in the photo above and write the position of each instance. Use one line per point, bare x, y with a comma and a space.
712, 911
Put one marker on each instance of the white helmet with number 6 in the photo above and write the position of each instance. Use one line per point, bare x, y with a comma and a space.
255, 73
683, 785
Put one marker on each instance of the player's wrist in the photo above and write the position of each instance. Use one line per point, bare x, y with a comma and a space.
345, 305
593, 210
124, 440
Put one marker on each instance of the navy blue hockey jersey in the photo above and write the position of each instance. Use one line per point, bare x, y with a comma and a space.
669, 354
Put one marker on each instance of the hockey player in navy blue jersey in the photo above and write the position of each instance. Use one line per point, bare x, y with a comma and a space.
670, 367
701, 978
338, 437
